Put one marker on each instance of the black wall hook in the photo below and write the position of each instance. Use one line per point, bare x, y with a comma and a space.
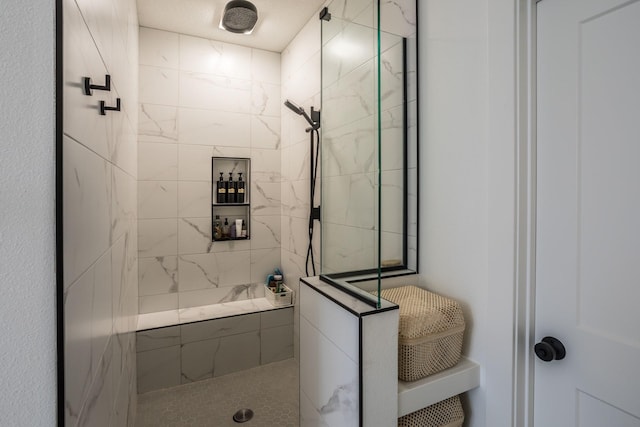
88, 87
104, 108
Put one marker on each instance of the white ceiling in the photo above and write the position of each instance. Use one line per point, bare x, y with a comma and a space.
278, 20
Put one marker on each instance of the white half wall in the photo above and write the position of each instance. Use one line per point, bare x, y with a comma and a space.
467, 183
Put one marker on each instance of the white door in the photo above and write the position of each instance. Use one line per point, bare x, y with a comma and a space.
588, 212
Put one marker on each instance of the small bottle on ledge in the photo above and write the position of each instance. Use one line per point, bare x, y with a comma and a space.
231, 189
221, 193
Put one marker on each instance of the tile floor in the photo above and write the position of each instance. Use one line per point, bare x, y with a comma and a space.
271, 391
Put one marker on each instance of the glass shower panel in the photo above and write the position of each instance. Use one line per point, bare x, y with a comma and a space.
369, 149
349, 145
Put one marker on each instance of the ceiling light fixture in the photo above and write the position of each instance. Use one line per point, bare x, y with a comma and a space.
239, 16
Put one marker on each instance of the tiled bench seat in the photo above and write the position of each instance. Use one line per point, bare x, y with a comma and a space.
181, 346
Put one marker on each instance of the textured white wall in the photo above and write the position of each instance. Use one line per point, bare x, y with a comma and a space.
27, 224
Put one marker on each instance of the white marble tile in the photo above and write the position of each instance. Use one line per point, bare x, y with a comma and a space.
214, 127
263, 263
194, 199
224, 269
157, 199
347, 50
232, 246
218, 328
97, 408
157, 237
220, 295
157, 303
265, 66
123, 146
237, 353
398, 17
194, 163
158, 275
298, 164
158, 368
102, 310
208, 91
214, 57
391, 247
87, 204
157, 319
265, 232
123, 203
225, 309
265, 165
199, 360
305, 44
391, 207
158, 123
276, 344
273, 318
348, 10
81, 117
350, 149
157, 162
392, 76
265, 198
265, 132
352, 97
158, 85
350, 200
241, 152
78, 374
265, 99
194, 236
298, 235
380, 368
157, 338
348, 248
159, 48
328, 377
392, 150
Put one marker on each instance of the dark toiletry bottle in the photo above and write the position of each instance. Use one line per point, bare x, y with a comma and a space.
232, 231
221, 192
244, 230
225, 229
217, 230
240, 192
231, 189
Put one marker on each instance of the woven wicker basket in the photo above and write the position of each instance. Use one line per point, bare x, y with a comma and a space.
430, 332
447, 413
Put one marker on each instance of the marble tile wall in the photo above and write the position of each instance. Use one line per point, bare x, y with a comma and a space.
100, 214
301, 84
198, 99
191, 352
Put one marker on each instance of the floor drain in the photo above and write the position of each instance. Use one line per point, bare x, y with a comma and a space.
243, 415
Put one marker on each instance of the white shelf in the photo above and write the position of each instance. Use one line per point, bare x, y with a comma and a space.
416, 395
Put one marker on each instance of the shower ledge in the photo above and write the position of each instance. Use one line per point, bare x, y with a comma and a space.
416, 395
181, 316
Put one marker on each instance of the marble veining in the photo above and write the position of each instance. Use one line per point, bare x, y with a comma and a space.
342, 404
201, 231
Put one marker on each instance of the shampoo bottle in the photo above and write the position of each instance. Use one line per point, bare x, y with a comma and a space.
221, 193
240, 191
231, 189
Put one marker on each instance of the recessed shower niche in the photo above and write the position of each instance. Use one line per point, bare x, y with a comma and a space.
230, 198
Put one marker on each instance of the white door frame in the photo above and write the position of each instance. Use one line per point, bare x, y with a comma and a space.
525, 244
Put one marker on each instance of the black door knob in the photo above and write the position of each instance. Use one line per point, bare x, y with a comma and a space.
550, 349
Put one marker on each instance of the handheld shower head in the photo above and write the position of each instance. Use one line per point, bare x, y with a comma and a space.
293, 107
315, 122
